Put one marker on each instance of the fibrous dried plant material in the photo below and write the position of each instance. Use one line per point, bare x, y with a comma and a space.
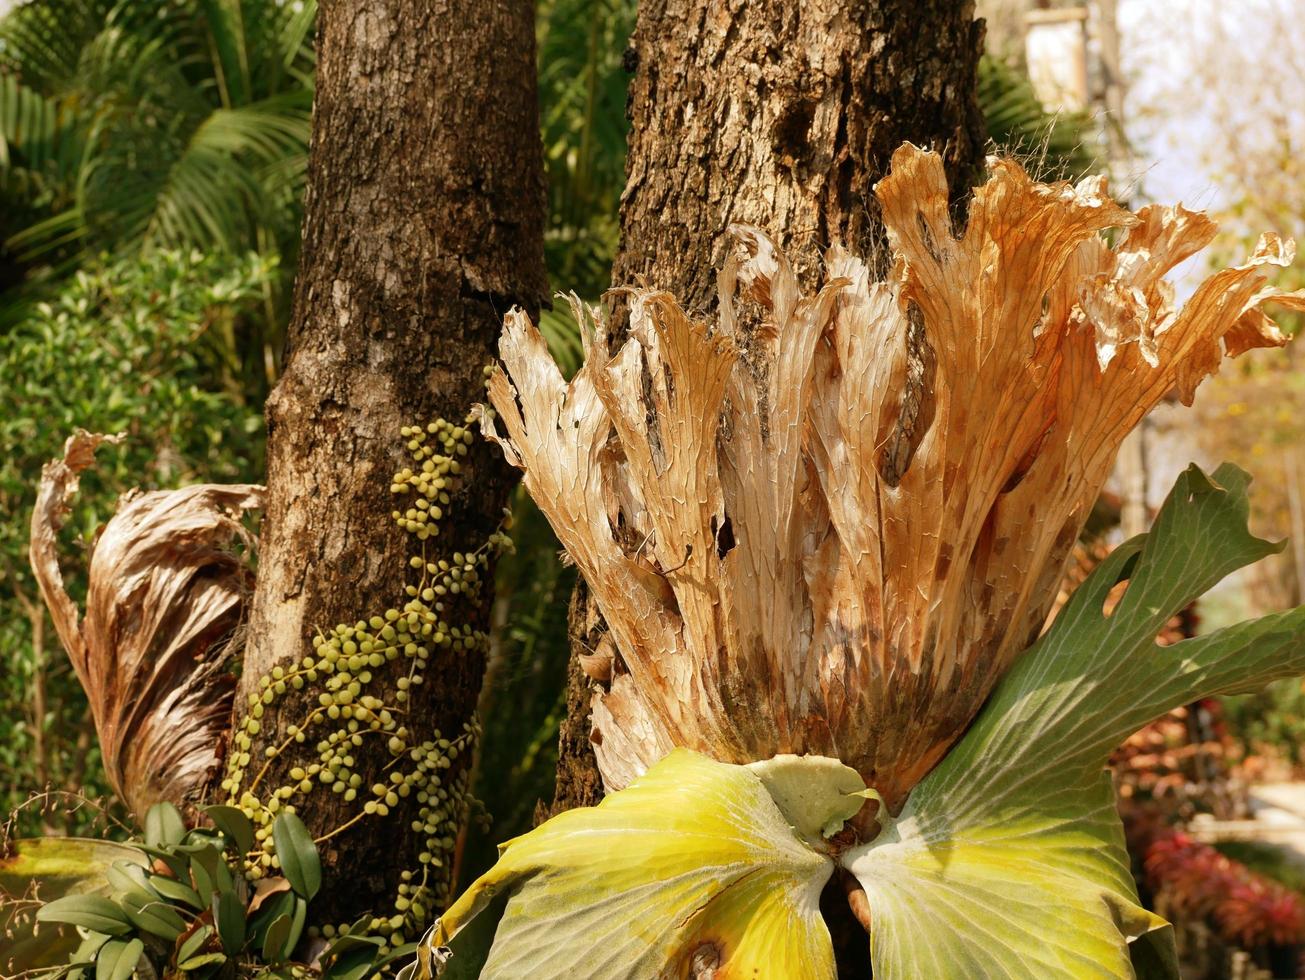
796, 557
166, 594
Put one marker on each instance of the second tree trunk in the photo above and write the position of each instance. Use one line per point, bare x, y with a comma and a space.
424, 221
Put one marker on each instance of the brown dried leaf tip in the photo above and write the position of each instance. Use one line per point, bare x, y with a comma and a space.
166, 594
795, 551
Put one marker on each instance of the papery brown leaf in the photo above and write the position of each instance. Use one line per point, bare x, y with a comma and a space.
166, 595
780, 571
264, 889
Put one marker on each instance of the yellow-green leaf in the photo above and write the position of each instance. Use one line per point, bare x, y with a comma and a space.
163, 825
693, 863
1008, 860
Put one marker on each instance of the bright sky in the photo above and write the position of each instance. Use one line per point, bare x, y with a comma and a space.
1170, 144
1188, 59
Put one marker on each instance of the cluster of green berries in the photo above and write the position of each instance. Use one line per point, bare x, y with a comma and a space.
355, 703
427, 486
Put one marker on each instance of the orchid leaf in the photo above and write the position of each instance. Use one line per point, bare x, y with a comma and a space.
117, 959
298, 854
1008, 859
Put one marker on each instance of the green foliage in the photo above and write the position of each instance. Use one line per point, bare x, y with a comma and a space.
131, 124
176, 124
582, 91
525, 697
125, 347
183, 906
1271, 722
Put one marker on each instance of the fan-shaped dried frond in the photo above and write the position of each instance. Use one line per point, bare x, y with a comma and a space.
797, 553
165, 595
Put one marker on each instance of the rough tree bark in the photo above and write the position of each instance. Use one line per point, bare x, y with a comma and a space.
424, 224
782, 116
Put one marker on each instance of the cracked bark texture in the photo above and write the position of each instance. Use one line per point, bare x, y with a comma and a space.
423, 226
782, 116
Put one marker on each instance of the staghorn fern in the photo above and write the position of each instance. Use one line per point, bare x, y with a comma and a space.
857, 614
823, 592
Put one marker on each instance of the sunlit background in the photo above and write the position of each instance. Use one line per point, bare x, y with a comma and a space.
149, 227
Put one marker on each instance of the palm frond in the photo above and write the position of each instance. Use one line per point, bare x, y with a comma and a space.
1052, 146
42, 41
180, 112
230, 55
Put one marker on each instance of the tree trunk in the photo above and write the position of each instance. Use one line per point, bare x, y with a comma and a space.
782, 116
423, 226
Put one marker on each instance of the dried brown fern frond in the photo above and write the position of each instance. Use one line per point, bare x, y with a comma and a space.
795, 554
166, 594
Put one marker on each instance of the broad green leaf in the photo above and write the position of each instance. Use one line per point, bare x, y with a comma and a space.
815, 807
353, 964
233, 823
229, 917
84, 954
349, 941
274, 940
209, 868
692, 863
153, 915
278, 932
1008, 859
93, 912
202, 960
117, 959
297, 921
193, 943
163, 825
173, 890
127, 876
298, 854
205, 886
271, 909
